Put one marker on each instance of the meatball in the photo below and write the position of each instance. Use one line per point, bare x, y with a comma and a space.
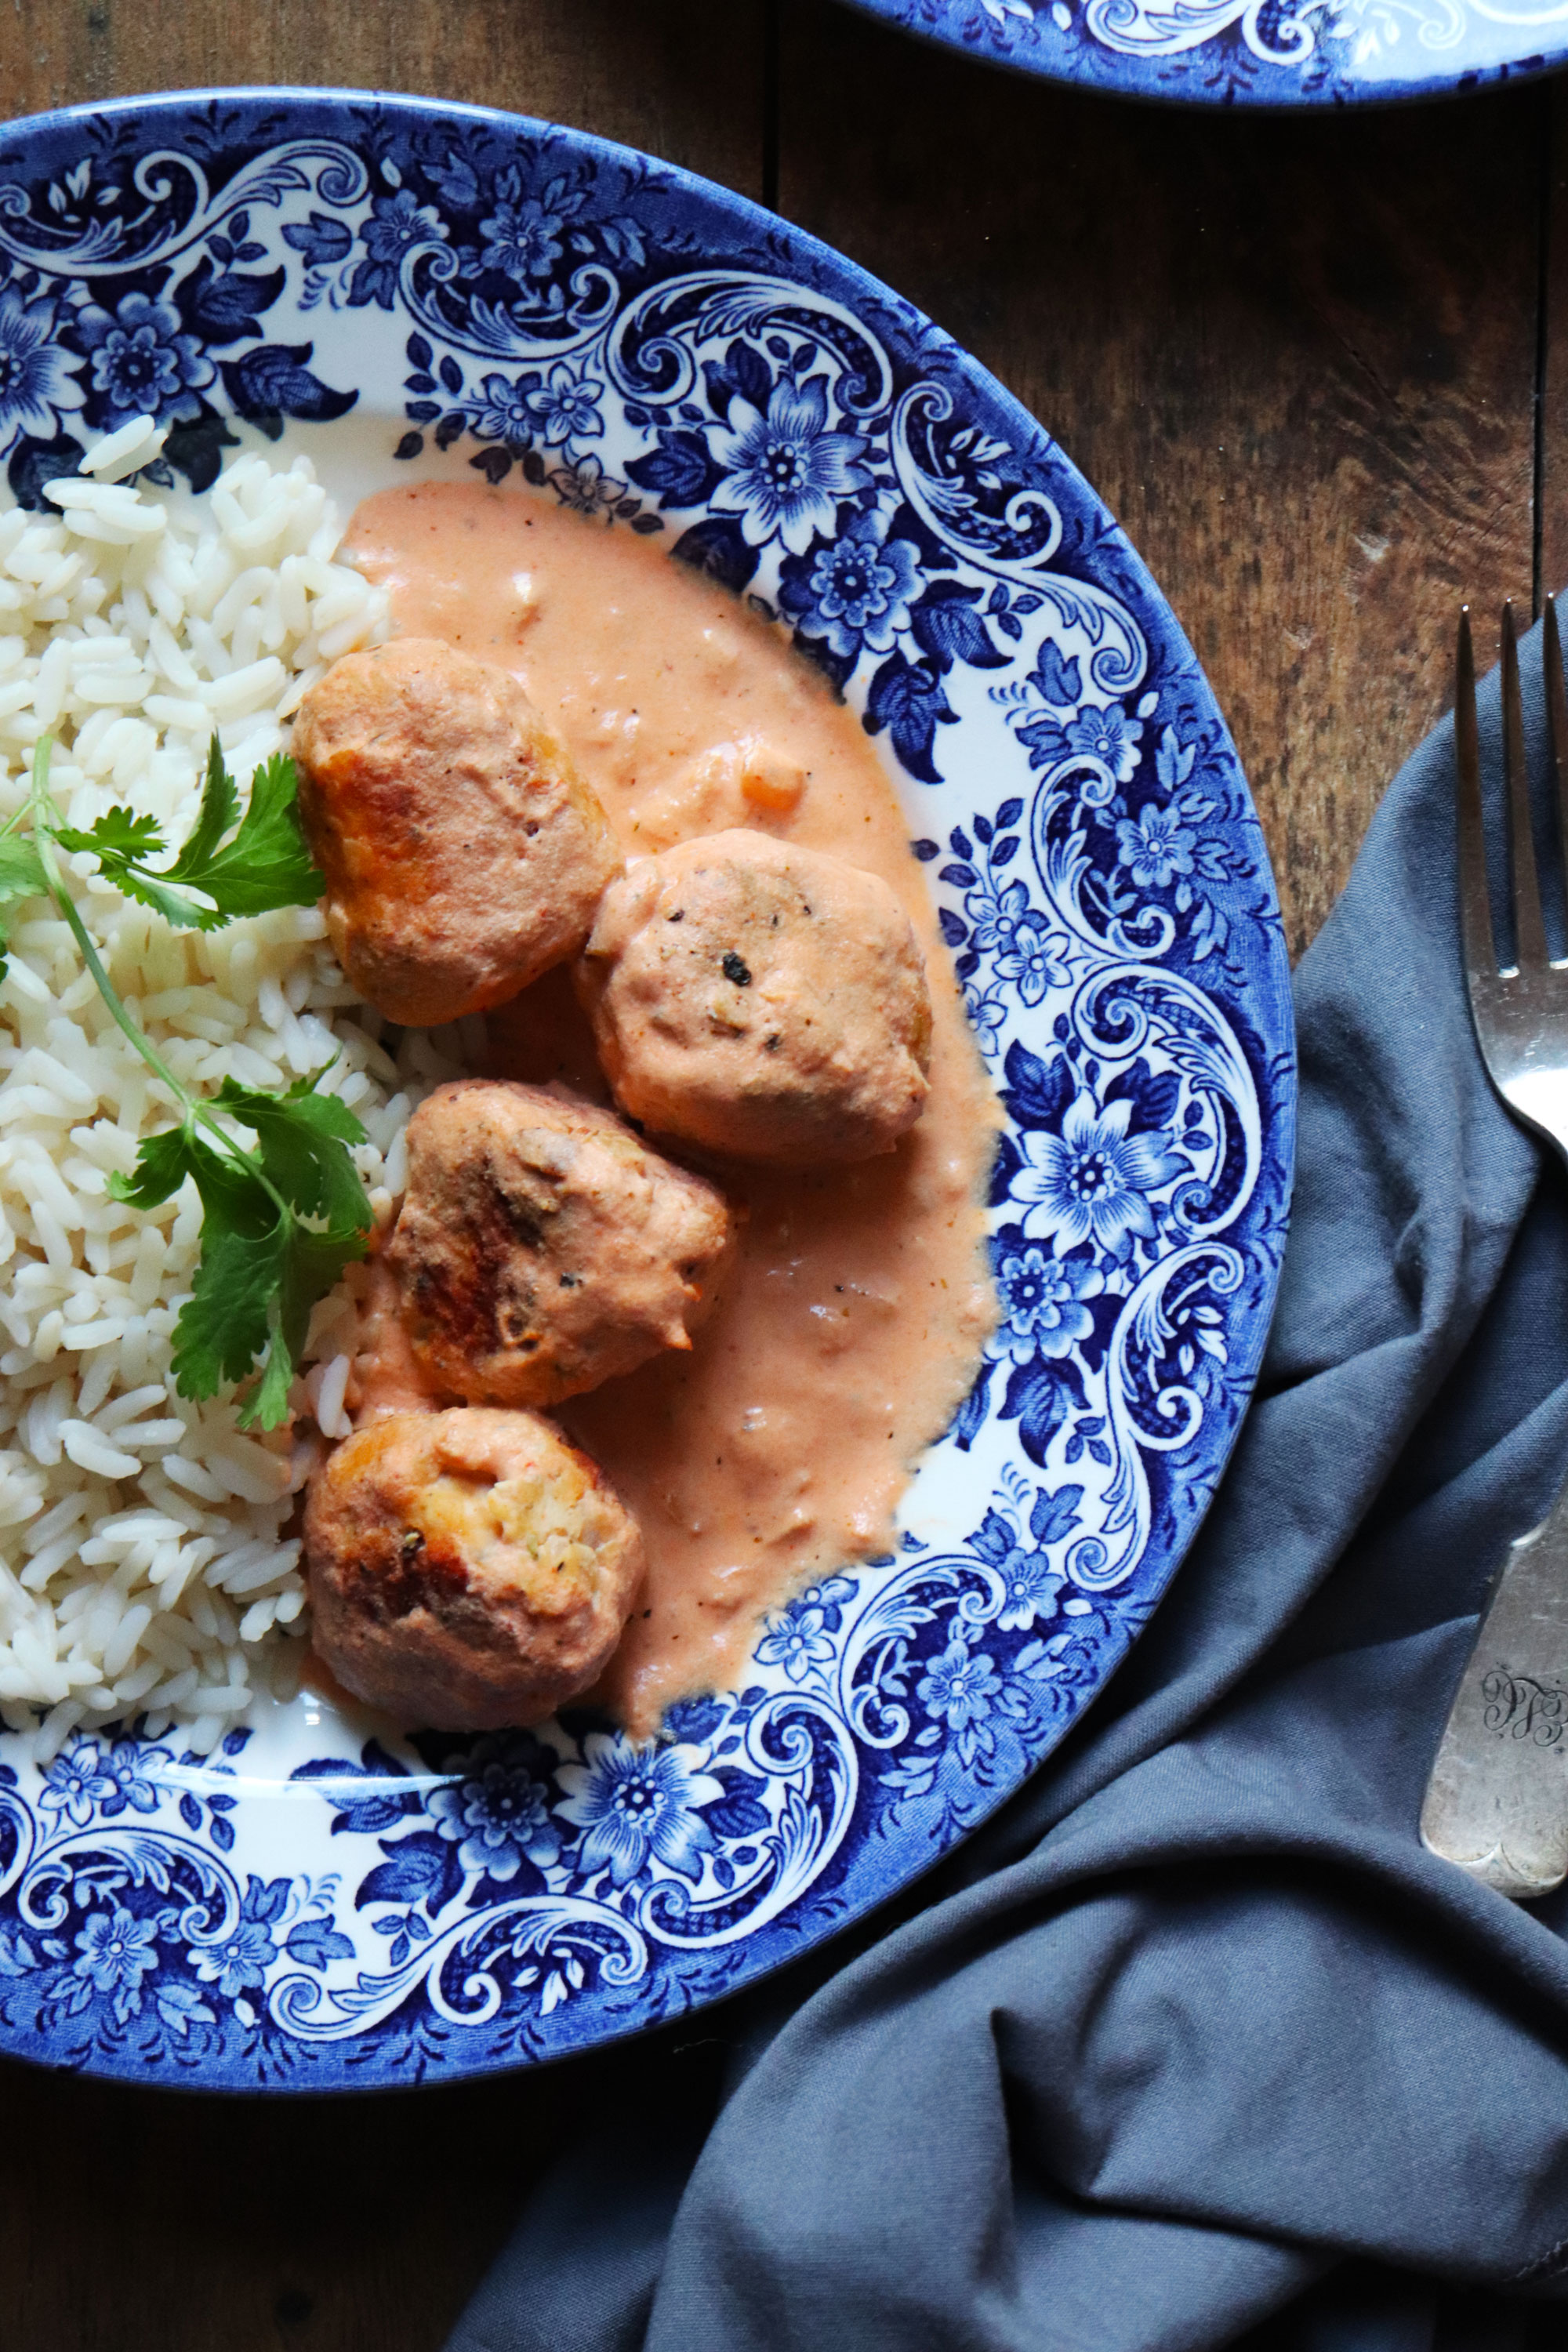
760, 1000
463, 855
541, 1247
469, 1570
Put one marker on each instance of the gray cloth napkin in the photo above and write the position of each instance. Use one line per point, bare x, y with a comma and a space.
1193, 2044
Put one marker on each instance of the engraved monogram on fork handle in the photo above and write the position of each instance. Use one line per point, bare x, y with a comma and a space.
1497, 1802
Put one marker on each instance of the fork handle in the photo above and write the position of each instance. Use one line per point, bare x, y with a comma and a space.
1497, 1802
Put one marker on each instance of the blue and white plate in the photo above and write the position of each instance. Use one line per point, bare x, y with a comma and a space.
405, 289
1268, 53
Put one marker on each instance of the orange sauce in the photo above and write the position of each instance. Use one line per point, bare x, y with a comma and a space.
850, 1331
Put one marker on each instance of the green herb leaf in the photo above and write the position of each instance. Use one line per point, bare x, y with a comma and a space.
229, 1188
266, 865
21, 876
219, 809
269, 1404
303, 1138
263, 1267
163, 1164
252, 1298
312, 1264
225, 1323
185, 914
21, 869
122, 843
120, 834
305, 1265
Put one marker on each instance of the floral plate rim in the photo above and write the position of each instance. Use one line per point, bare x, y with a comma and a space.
326, 1911
1266, 56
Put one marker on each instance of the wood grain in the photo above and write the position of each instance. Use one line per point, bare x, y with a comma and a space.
683, 79
143, 2221
1295, 355
1553, 417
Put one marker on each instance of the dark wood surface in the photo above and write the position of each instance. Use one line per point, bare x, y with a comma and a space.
1317, 366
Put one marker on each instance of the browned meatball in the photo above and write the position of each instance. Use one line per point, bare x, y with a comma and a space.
760, 999
463, 855
542, 1248
469, 1570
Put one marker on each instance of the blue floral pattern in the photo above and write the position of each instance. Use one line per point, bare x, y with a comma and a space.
858, 591
497, 1817
786, 473
143, 361
633, 1803
37, 390
1249, 52
449, 288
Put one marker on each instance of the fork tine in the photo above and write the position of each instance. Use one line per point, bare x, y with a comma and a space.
1475, 905
1529, 932
1556, 721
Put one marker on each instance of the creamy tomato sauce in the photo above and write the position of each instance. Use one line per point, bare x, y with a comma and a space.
850, 1330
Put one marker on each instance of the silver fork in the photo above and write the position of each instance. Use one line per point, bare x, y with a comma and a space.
1497, 1802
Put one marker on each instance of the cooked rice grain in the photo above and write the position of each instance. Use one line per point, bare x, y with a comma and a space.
143, 1567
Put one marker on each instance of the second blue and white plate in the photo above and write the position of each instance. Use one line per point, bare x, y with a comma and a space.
1266, 53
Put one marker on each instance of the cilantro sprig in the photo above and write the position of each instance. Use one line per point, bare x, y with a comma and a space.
21, 876
282, 1219
267, 863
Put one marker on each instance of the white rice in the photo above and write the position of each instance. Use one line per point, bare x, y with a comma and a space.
143, 1564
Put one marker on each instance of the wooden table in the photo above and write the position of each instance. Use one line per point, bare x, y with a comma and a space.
1313, 365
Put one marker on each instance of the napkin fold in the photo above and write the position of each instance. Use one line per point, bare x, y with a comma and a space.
1193, 2044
